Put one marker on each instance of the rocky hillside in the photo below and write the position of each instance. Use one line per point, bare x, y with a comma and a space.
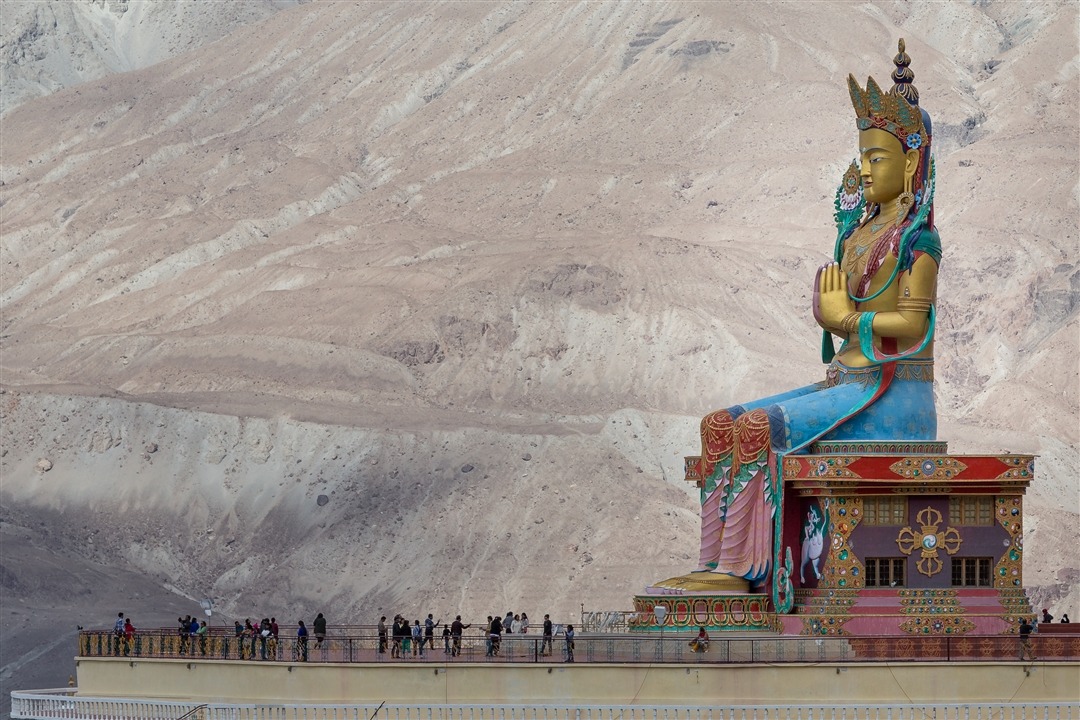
377, 307
46, 45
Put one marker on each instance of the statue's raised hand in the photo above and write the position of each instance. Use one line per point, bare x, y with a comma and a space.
831, 300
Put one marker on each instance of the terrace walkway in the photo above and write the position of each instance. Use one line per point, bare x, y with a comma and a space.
350, 646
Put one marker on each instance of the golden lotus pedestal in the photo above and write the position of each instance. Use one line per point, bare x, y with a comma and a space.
701, 599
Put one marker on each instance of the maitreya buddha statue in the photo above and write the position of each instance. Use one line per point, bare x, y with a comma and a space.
878, 297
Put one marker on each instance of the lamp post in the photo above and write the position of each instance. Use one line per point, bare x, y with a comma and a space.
660, 612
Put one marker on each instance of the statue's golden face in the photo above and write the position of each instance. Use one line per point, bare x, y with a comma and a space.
884, 165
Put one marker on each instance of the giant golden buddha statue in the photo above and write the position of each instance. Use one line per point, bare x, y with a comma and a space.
877, 297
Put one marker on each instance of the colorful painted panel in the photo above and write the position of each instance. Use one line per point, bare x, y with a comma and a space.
715, 612
937, 625
842, 568
928, 468
1008, 573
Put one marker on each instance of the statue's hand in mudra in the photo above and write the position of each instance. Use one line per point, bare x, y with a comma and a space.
831, 300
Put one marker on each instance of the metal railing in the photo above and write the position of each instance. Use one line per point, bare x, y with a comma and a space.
56, 704
605, 648
610, 621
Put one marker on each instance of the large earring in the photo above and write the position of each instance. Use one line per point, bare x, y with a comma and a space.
904, 201
903, 205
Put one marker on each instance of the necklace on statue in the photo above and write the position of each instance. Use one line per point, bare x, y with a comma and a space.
874, 227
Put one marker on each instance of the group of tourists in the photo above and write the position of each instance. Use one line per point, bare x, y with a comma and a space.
1048, 618
405, 640
192, 632
267, 633
261, 639
414, 638
263, 635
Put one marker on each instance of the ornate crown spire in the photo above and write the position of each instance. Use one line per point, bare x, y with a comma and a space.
902, 76
896, 111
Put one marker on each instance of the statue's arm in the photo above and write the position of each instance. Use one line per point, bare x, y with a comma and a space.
915, 296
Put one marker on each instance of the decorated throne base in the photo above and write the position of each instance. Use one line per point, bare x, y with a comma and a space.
715, 602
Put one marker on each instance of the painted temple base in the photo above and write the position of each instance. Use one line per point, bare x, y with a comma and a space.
895, 538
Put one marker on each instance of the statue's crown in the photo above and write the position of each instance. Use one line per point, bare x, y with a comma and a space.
896, 111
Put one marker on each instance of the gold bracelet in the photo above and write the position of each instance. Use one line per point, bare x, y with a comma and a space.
850, 322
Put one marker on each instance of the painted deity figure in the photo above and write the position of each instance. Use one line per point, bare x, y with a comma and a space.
815, 527
877, 297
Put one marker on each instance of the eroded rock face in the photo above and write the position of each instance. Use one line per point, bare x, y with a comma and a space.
52, 44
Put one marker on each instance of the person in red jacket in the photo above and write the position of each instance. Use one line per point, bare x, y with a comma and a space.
129, 636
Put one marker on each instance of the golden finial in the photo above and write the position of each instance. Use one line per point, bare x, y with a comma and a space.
902, 76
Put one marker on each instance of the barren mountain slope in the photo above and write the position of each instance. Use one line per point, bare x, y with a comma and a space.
387, 307
46, 45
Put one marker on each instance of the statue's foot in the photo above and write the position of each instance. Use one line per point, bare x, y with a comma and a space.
706, 581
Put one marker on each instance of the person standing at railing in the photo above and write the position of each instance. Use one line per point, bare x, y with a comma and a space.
183, 624
446, 639
456, 628
429, 631
399, 631
545, 643
118, 633
514, 629
1025, 640
524, 623
495, 631
406, 638
193, 631
319, 626
417, 639
238, 635
301, 641
129, 636
274, 630
202, 634
569, 643
382, 635
264, 637
247, 644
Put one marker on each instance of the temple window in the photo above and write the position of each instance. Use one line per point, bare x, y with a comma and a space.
971, 572
885, 572
971, 510
884, 511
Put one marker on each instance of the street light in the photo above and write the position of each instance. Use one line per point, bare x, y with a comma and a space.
660, 612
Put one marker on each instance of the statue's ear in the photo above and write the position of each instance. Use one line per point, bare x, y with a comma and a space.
911, 163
